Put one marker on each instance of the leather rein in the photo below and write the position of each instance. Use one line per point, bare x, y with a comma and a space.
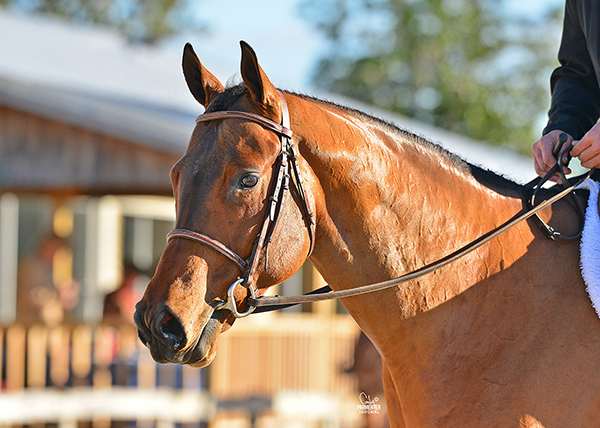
287, 171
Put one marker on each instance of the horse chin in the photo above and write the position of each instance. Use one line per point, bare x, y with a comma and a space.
203, 360
204, 351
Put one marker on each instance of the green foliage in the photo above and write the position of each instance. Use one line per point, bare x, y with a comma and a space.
139, 20
459, 64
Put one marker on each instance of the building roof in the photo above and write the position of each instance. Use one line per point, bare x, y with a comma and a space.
56, 53
155, 126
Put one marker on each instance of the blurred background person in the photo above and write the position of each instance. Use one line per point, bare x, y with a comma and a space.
119, 305
46, 291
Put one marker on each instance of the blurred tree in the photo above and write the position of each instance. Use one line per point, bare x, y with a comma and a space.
144, 21
463, 65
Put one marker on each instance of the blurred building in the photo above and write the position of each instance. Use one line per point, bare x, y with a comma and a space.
82, 157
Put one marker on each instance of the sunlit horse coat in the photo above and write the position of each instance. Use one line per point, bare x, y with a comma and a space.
504, 337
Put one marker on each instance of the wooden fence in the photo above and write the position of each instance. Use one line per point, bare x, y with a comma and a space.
67, 374
267, 367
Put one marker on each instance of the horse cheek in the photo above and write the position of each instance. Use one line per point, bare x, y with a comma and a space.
287, 250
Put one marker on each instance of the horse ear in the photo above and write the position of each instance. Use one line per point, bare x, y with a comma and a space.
261, 89
203, 85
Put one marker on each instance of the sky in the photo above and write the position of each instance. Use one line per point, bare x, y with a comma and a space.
287, 45
531, 7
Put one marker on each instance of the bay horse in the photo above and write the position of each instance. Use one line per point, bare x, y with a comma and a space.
503, 337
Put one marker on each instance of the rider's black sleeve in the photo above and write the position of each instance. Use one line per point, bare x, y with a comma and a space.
575, 86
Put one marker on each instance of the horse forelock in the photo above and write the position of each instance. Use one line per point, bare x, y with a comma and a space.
226, 99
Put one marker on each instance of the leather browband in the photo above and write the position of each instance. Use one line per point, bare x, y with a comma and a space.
267, 123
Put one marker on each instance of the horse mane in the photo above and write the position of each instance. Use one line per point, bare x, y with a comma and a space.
484, 176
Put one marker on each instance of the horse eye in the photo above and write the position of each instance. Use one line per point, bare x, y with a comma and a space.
249, 181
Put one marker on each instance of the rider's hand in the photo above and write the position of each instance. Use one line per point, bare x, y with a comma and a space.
544, 159
588, 148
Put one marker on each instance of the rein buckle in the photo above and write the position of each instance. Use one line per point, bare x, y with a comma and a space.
230, 304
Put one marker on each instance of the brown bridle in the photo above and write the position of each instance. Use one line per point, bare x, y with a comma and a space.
286, 172
287, 167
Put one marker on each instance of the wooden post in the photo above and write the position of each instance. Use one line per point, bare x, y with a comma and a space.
37, 354
81, 354
104, 341
9, 242
59, 349
1, 355
146, 376
15, 357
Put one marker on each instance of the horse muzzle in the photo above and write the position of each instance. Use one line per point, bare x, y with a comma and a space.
165, 337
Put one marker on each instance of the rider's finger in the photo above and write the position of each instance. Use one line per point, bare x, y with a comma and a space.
592, 162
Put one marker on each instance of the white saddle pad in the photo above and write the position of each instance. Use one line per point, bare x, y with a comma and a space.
590, 245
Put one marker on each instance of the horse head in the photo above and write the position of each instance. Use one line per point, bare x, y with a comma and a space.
224, 187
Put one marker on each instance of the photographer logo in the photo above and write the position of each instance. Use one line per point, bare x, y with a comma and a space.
368, 406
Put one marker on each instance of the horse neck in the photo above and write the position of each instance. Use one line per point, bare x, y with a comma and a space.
391, 203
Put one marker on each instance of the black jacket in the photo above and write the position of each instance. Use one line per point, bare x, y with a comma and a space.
576, 83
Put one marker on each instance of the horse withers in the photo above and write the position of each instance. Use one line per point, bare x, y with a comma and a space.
504, 336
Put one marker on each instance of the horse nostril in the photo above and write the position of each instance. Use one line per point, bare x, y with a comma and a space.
169, 329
